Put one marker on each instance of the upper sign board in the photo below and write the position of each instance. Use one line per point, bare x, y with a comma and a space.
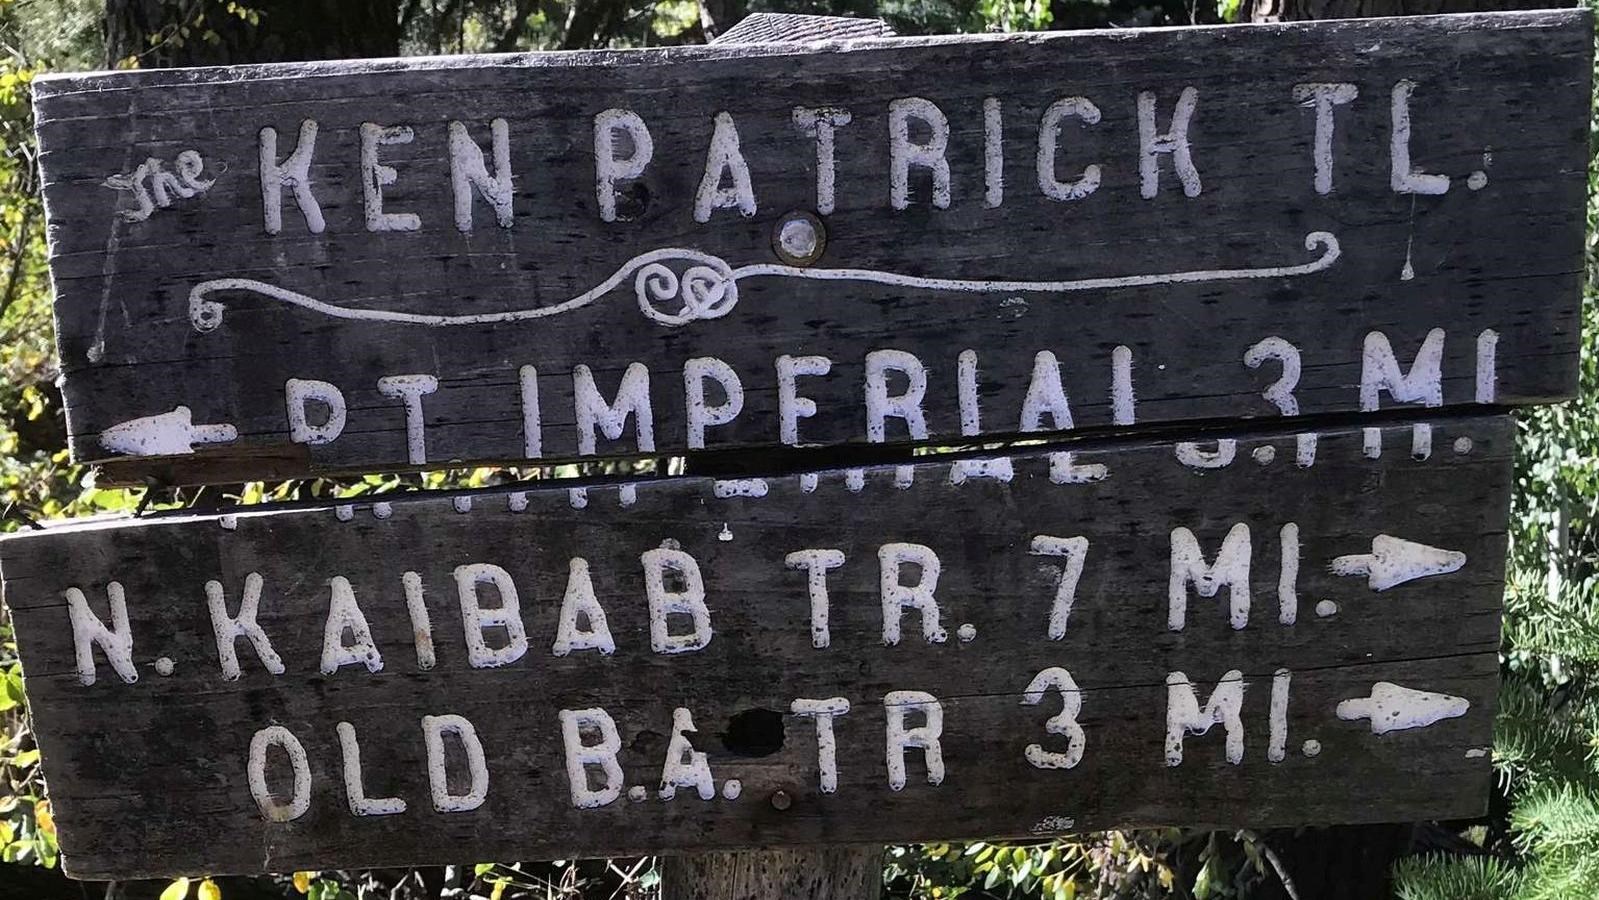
278, 270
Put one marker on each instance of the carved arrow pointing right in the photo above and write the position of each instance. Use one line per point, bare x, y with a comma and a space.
1394, 708
1394, 561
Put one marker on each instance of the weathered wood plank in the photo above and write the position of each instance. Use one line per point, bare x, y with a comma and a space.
1497, 103
150, 777
794, 28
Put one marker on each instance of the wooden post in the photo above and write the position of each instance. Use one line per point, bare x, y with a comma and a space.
837, 873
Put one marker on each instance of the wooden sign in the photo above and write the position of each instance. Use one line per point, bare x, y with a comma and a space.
1106, 636
277, 270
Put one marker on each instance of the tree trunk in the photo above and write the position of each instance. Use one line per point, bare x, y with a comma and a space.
175, 33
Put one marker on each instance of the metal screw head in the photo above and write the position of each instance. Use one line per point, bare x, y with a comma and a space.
799, 238
781, 800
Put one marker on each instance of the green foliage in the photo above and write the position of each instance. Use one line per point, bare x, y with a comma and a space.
1112, 864
1438, 877
1547, 737
1546, 741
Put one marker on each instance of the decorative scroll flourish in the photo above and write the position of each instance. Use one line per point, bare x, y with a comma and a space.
708, 287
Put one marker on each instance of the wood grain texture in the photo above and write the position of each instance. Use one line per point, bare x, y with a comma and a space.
837, 873
794, 28
149, 778
1505, 95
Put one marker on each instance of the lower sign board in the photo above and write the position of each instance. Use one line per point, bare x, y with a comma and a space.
1126, 634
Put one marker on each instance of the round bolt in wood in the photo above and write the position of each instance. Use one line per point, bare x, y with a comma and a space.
781, 800
799, 238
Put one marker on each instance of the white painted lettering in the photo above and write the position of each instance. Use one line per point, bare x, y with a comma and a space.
1175, 141
1188, 566
580, 756
532, 425
1405, 177
610, 168
1277, 747
468, 173
88, 630
409, 389
685, 766
1280, 393
972, 425
632, 398
255, 770
1045, 394
294, 173
345, 615
375, 176
903, 153
1049, 143
820, 123
689, 601
475, 619
1288, 579
1063, 723
824, 711
354, 787
1487, 366
434, 728
229, 629
993, 153
899, 596
924, 737
1380, 371
300, 392
1184, 714
580, 601
1323, 96
791, 407
1074, 551
421, 624
724, 160
816, 563
696, 372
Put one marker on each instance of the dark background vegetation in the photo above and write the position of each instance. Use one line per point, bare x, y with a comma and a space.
1540, 840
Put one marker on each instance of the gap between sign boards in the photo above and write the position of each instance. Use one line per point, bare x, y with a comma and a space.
778, 461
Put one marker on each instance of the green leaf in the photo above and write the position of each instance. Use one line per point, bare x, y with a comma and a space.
177, 890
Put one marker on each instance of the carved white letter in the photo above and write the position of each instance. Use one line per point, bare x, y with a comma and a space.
608, 167
903, 154
1152, 144
294, 172
1188, 566
474, 618
468, 172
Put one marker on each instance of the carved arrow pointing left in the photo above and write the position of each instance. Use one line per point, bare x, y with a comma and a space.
164, 434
